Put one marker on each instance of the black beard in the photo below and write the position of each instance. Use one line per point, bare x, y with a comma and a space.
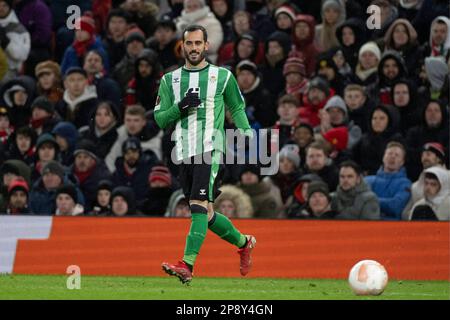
132, 165
195, 63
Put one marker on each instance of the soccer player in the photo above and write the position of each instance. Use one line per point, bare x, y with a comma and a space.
193, 98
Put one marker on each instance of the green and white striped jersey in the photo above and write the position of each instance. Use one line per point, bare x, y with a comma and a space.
202, 129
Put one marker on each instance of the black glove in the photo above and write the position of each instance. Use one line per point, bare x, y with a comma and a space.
190, 100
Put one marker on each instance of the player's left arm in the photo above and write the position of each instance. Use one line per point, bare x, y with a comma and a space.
235, 102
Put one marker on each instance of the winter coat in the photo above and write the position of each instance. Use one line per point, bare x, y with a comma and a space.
306, 48
359, 30
70, 133
150, 138
18, 43
144, 17
309, 113
124, 71
138, 180
260, 105
107, 89
429, 10
35, 15
358, 203
240, 199
393, 190
265, 197
128, 195
329, 174
81, 110
169, 56
440, 203
205, 18
71, 59
360, 116
43, 201
156, 201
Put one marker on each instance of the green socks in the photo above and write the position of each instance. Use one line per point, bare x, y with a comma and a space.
196, 236
224, 228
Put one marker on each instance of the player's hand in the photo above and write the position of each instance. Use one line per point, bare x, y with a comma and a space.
190, 100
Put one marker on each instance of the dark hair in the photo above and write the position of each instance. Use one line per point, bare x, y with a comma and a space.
195, 27
288, 98
97, 52
430, 175
351, 164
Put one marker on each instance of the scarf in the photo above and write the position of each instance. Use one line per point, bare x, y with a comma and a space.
437, 50
82, 46
82, 176
300, 88
38, 123
364, 74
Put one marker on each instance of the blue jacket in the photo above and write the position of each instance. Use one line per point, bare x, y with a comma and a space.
393, 191
71, 59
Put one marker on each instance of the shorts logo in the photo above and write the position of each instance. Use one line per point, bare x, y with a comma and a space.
203, 192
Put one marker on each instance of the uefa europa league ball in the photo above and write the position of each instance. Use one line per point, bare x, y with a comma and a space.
368, 277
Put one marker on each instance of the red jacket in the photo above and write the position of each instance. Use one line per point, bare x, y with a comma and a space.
310, 113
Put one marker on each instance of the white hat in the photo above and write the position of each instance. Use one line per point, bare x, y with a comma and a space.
372, 47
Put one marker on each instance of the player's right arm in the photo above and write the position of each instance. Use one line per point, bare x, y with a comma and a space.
167, 111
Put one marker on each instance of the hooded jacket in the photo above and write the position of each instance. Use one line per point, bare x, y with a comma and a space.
359, 30
393, 190
358, 203
265, 197
325, 34
437, 72
440, 203
241, 201
69, 132
128, 194
306, 48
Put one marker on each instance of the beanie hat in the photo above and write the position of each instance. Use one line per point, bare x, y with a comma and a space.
18, 183
105, 185
436, 148
45, 138
86, 146
336, 102
321, 84
253, 168
43, 103
290, 151
338, 137
68, 189
372, 47
318, 186
166, 21
86, 23
131, 143
135, 34
247, 65
294, 65
9, 168
54, 167
47, 66
160, 173
287, 10
75, 70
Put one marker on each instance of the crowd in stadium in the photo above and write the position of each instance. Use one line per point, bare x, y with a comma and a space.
362, 113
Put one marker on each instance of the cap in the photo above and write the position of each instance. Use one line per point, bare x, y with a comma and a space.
338, 137
18, 183
75, 70
436, 148
131, 143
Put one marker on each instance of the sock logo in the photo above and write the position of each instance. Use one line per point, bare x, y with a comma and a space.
202, 192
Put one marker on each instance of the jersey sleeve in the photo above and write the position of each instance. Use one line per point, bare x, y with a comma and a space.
166, 111
235, 102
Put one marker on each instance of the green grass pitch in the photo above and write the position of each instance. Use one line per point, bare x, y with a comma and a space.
169, 288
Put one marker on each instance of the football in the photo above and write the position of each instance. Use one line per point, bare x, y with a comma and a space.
368, 277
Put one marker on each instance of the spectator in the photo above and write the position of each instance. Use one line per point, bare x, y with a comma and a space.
233, 203
88, 169
439, 43
85, 41
261, 21
176, 6
288, 120
122, 202
328, 69
295, 74
351, 35
67, 201
284, 17
43, 192
336, 142
240, 24
166, 44
368, 153
133, 168
43, 115
136, 125
276, 49
106, 88
17, 94
366, 69
318, 162
36, 17
124, 70
435, 205
434, 128
101, 205
142, 13
359, 107
6, 129
143, 88
49, 83
319, 92
303, 38
102, 129
388, 14
47, 149
405, 98
178, 206
258, 100
303, 137
80, 98
10, 170
390, 184
319, 202
223, 10
433, 155
22, 145
429, 10
18, 192
300, 195
14, 39
66, 135
197, 12
333, 14
246, 47
436, 77
116, 30
265, 197
353, 199
160, 189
